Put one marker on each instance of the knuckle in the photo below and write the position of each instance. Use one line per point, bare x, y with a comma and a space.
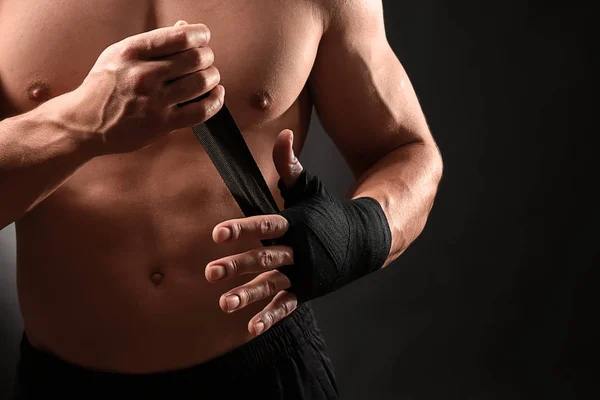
271, 286
211, 109
265, 226
246, 296
208, 57
207, 78
234, 267
208, 108
195, 57
199, 58
201, 80
285, 308
127, 50
180, 36
216, 72
202, 115
236, 231
144, 43
289, 306
215, 107
268, 318
265, 259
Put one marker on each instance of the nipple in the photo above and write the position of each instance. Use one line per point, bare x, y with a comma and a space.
38, 92
262, 100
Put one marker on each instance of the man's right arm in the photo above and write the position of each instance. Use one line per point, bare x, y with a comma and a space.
138, 90
39, 151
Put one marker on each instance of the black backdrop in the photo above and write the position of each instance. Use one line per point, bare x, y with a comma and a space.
496, 299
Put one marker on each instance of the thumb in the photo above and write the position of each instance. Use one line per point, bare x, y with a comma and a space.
287, 165
181, 22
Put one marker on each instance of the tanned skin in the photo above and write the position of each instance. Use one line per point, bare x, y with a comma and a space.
118, 207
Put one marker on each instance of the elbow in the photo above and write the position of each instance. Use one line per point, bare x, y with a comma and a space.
437, 165
431, 162
436, 172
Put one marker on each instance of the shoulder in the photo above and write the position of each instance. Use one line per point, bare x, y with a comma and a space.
340, 15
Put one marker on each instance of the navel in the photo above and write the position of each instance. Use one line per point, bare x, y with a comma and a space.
157, 278
39, 91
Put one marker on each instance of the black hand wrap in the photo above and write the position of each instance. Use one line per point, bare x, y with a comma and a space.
335, 241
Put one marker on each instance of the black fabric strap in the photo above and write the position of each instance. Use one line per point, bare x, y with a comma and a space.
226, 147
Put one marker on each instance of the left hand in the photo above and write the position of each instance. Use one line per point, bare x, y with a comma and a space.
263, 260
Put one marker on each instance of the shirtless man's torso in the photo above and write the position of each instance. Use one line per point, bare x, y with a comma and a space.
111, 265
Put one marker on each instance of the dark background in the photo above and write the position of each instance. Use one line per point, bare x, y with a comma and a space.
495, 300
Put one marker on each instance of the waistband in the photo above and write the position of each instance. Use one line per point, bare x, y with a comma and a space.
283, 340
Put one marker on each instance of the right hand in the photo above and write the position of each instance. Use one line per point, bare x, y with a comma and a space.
133, 94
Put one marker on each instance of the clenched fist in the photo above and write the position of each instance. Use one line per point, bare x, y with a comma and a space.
140, 88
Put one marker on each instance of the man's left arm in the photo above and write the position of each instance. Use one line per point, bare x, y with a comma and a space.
367, 105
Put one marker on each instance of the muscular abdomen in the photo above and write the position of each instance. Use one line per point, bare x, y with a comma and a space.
111, 265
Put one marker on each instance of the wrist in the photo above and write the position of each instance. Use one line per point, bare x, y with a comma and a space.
64, 114
372, 237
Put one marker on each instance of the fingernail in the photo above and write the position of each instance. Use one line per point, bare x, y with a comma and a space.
224, 234
232, 302
259, 327
217, 272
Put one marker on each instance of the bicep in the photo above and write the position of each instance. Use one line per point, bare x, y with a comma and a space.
362, 94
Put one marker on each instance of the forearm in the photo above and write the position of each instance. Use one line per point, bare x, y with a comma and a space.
405, 183
39, 151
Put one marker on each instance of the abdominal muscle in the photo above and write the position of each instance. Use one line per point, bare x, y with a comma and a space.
111, 266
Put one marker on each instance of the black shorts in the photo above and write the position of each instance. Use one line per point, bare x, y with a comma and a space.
289, 361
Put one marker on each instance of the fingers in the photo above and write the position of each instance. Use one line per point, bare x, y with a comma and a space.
262, 287
259, 227
282, 305
187, 62
253, 261
287, 164
191, 86
198, 111
163, 42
